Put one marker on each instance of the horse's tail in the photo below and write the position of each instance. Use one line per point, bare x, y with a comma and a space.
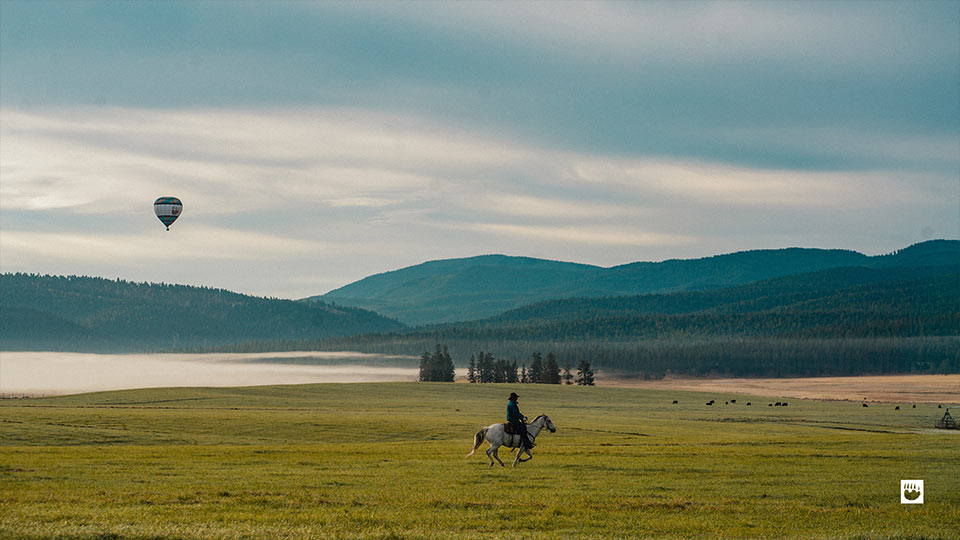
477, 439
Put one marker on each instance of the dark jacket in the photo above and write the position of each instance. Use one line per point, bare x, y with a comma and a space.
513, 412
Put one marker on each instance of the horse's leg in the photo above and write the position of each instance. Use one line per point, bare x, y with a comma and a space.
524, 450
495, 449
490, 454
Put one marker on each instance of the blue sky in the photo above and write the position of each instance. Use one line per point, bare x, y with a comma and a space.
316, 143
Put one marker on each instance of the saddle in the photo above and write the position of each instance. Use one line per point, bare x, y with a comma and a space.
508, 429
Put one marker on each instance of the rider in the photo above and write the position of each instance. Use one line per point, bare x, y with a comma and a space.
517, 420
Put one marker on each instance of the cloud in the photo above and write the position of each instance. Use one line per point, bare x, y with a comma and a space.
544, 207
333, 194
717, 183
593, 235
194, 243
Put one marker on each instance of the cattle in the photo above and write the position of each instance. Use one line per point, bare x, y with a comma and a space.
675, 402
864, 404
914, 405
748, 404
784, 403
726, 402
777, 404
897, 408
733, 401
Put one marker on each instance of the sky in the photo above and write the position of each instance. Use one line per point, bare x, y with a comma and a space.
316, 143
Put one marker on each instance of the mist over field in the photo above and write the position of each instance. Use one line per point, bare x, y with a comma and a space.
54, 373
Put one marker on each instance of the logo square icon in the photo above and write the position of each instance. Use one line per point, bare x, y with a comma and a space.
911, 492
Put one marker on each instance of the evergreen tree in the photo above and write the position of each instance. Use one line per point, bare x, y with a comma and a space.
426, 362
445, 369
512, 376
567, 376
584, 374
436, 367
536, 367
551, 372
485, 368
472, 370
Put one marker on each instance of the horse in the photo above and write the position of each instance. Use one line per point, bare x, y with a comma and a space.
497, 437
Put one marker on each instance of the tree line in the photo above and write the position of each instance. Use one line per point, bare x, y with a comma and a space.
485, 368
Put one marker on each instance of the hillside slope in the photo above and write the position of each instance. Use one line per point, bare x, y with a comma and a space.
481, 287
840, 321
83, 313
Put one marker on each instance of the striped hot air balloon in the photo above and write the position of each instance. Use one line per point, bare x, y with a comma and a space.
168, 209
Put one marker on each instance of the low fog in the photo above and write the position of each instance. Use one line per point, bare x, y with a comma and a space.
55, 373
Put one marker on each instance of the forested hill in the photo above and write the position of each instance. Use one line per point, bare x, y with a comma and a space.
840, 321
481, 287
898, 292
95, 314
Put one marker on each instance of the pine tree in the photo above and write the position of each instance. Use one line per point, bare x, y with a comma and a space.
536, 367
584, 374
472, 370
485, 368
426, 361
512, 376
551, 372
436, 367
567, 376
446, 370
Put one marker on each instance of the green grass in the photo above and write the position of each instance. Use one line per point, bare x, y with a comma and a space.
387, 461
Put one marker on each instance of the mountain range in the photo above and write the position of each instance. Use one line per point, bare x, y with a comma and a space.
512, 304
484, 286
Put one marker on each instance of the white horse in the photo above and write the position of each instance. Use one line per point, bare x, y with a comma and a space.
497, 437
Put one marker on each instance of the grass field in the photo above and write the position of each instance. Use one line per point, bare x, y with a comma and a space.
387, 461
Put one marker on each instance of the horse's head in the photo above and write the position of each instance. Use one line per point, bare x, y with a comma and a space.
548, 423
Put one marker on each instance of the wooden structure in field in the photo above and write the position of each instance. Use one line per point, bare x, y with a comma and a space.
947, 422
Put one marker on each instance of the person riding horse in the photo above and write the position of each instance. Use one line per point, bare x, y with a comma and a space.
516, 420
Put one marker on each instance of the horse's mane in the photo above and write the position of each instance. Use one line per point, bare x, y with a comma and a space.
537, 418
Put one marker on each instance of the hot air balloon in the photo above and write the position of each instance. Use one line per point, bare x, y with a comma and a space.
168, 209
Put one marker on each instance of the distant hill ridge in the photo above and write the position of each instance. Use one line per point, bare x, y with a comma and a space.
39, 312
480, 287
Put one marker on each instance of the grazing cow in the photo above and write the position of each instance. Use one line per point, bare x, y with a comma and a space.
939, 406
914, 405
777, 404
864, 404
748, 404
897, 408
726, 402
784, 403
733, 401
675, 402
709, 403
769, 404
